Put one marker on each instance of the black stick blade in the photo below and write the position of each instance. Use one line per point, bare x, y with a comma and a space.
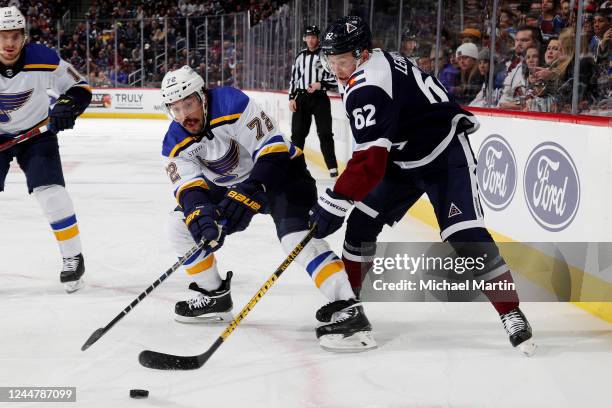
162, 361
95, 336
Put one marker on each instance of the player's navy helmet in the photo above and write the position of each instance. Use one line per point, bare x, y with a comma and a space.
312, 30
347, 34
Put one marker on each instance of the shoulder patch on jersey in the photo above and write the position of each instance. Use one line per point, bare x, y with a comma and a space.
355, 79
40, 58
226, 105
176, 140
376, 71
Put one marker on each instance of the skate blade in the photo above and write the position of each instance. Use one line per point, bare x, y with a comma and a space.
73, 286
338, 343
206, 319
528, 348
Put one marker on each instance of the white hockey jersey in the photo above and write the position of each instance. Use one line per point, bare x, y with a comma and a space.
238, 134
24, 102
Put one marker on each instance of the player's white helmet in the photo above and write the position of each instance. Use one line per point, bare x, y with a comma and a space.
11, 19
180, 84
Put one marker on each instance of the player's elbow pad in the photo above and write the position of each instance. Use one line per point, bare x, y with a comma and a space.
82, 98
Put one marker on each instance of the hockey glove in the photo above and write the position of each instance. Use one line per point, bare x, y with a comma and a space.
328, 213
64, 113
201, 222
241, 203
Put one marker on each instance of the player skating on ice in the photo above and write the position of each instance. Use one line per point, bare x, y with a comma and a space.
410, 138
26, 72
227, 160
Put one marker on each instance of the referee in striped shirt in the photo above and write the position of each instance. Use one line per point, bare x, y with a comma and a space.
308, 97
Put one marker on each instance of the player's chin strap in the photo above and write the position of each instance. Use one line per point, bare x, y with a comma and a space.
95, 336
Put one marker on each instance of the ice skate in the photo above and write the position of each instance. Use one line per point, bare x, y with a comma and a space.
72, 273
346, 327
519, 331
206, 306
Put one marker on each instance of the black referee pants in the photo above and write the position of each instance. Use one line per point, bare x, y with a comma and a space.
317, 104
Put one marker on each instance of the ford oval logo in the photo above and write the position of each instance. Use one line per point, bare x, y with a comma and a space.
496, 172
552, 186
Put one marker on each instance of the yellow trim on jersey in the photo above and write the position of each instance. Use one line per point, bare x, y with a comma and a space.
194, 183
201, 266
225, 118
181, 144
34, 66
67, 234
327, 271
275, 148
298, 152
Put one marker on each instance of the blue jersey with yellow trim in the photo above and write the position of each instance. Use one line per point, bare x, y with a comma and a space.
239, 133
24, 101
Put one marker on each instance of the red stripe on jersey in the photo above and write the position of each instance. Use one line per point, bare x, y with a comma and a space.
363, 172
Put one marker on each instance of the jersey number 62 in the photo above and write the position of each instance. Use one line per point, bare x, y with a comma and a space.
362, 121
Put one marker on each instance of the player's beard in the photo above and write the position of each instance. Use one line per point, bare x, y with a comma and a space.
193, 125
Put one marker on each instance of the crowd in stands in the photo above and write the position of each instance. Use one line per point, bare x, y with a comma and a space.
534, 58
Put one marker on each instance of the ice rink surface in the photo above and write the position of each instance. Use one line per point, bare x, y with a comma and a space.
430, 354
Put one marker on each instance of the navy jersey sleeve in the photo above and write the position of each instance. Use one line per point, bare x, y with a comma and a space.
374, 119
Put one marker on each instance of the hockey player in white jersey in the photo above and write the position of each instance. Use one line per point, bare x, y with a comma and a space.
227, 160
26, 72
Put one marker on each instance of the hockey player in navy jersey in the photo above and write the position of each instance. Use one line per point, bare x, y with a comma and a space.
227, 161
26, 72
410, 138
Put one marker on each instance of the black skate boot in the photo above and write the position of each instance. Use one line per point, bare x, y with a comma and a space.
347, 328
519, 331
206, 306
72, 273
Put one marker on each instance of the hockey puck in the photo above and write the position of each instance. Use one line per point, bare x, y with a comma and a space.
139, 393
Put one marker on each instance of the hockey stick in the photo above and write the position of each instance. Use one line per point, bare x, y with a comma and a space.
162, 361
95, 336
23, 137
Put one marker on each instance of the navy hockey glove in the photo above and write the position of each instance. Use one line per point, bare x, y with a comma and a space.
328, 213
241, 203
64, 113
201, 222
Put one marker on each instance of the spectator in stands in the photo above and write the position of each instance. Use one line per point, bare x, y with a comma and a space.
513, 93
565, 69
424, 60
550, 22
506, 22
601, 27
565, 13
533, 19
481, 99
450, 73
535, 97
470, 79
471, 35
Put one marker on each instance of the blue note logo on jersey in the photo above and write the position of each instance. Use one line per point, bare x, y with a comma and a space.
224, 165
10, 102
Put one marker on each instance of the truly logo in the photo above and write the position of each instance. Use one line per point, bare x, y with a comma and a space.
552, 186
496, 172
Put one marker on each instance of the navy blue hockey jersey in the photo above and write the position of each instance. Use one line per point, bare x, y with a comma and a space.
399, 116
